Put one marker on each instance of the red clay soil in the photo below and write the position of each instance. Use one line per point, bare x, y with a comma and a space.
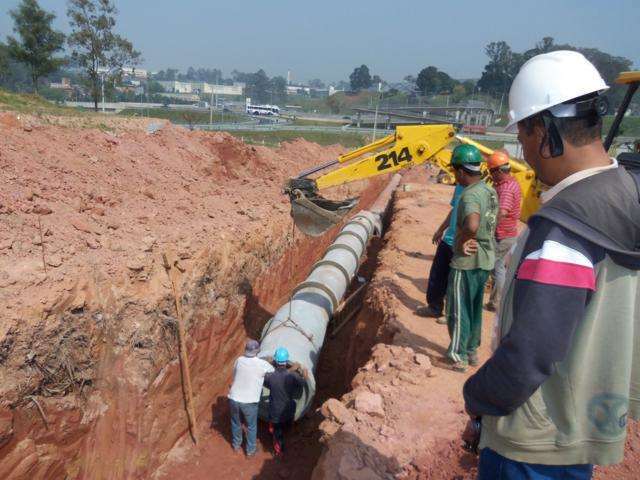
405, 414
89, 381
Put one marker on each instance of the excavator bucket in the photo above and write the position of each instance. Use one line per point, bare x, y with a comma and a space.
312, 213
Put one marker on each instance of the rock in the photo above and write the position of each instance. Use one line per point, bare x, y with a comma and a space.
407, 377
81, 226
54, 260
6, 243
93, 244
423, 360
136, 264
148, 242
113, 225
42, 210
395, 381
336, 410
371, 403
98, 211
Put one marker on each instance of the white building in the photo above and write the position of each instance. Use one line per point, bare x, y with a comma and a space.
202, 88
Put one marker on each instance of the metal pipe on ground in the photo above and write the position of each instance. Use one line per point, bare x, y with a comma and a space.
300, 325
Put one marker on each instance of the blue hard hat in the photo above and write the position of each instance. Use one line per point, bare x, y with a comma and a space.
281, 355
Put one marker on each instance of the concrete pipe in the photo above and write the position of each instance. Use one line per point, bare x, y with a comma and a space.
300, 325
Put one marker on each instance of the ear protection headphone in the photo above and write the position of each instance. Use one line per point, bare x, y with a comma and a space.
592, 106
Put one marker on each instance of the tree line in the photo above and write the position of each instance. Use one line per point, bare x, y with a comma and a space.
498, 74
94, 48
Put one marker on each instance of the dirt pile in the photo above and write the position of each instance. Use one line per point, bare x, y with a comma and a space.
87, 339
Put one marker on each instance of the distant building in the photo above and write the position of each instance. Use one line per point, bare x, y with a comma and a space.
65, 84
202, 88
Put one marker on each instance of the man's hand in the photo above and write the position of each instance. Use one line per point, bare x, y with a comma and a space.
470, 247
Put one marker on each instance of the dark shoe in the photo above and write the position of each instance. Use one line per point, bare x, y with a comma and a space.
474, 361
490, 307
428, 312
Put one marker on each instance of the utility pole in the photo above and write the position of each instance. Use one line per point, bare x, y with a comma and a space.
211, 109
375, 117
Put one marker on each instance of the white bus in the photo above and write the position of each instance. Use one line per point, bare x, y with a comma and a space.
269, 110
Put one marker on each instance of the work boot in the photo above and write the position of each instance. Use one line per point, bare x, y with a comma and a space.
428, 311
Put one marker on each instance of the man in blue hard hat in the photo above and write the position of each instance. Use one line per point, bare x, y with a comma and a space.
248, 375
285, 384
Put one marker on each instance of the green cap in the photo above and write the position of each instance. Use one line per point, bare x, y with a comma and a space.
467, 156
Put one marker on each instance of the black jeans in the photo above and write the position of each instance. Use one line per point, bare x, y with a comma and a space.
438, 277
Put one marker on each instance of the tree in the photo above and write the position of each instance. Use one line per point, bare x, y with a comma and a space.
431, 81
95, 47
502, 68
257, 85
4, 62
317, 84
360, 78
335, 102
38, 40
278, 86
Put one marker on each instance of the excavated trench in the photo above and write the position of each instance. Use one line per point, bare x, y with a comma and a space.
128, 420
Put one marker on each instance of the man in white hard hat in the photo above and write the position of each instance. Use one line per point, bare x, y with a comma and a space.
555, 397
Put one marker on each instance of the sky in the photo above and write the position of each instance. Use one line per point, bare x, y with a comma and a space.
326, 39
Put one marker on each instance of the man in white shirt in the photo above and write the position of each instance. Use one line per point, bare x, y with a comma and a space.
244, 396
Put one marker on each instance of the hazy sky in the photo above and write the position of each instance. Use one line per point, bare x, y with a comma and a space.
327, 38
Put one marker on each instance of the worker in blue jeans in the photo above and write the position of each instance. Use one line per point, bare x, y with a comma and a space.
248, 376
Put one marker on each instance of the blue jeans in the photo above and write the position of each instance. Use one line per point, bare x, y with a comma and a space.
250, 413
494, 466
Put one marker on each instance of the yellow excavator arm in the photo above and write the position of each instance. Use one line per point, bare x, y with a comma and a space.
410, 146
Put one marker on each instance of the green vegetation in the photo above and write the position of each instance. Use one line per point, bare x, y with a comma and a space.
185, 117
630, 126
34, 104
93, 42
319, 123
37, 42
274, 138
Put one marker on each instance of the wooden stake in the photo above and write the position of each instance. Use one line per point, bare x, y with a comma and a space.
187, 392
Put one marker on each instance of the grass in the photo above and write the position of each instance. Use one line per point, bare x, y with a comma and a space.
274, 138
182, 116
320, 123
33, 104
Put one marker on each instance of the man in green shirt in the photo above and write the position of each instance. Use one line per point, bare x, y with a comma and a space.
473, 257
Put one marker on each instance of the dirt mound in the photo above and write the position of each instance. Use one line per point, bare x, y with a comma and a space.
87, 346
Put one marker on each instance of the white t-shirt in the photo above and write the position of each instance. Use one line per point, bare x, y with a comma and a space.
248, 376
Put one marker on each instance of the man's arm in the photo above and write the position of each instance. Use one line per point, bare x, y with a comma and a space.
437, 236
466, 240
553, 285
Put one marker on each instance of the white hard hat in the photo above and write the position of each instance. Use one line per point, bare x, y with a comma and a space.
550, 79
